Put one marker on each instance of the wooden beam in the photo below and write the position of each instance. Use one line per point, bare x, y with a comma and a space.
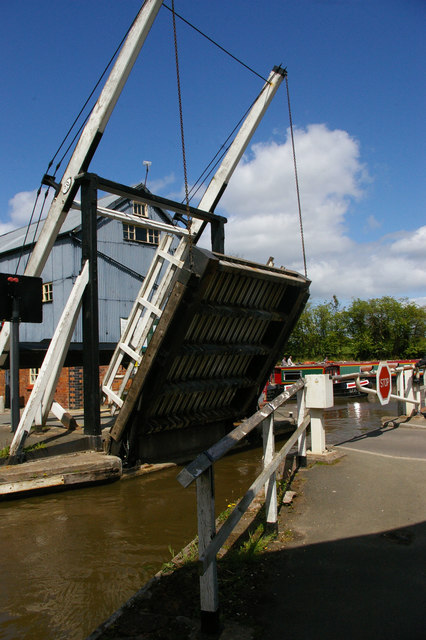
90, 310
223, 534
212, 384
209, 592
224, 349
218, 450
156, 201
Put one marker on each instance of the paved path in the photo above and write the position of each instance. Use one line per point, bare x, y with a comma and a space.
356, 566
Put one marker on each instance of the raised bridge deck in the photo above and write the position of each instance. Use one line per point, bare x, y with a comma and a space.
225, 325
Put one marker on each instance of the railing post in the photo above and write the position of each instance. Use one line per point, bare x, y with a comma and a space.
301, 442
319, 396
409, 390
271, 507
400, 390
209, 595
422, 392
317, 431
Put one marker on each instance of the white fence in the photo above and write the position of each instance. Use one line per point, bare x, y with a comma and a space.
314, 394
409, 395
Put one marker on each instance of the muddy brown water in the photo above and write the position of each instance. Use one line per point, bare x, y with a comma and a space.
68, 560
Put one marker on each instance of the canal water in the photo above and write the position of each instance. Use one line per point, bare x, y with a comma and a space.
68, 560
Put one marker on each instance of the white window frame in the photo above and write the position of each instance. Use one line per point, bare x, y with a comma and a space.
34, 375
130, 233
140, 209
47, 292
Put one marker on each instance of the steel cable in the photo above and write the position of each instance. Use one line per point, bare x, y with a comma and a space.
296, 177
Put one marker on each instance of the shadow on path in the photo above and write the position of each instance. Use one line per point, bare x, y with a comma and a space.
365, 587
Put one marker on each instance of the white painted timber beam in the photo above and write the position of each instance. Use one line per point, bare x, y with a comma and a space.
92, 133
52, 360
137, 221
88, 142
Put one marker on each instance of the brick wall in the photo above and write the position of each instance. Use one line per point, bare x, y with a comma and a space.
69, 391
75, 388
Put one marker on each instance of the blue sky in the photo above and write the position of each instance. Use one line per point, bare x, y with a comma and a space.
356, 77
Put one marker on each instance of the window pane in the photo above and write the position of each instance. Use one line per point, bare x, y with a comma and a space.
140, 209
47, 292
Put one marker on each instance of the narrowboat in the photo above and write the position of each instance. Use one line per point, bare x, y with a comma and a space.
285, 375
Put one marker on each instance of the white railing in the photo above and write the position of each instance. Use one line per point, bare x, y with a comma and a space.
310, 410
406, 392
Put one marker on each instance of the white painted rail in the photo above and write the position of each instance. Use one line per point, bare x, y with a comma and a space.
407, 394
201, 470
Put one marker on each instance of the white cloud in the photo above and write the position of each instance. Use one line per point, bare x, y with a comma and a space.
421, 302
261, 207
156, 186
21, 207
411, 244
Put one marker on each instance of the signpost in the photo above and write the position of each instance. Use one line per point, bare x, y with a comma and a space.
20, 301
383, 382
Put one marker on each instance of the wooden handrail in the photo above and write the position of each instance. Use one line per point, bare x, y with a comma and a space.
203, 461
225, 531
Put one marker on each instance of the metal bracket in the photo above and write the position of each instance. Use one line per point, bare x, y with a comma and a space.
49, 181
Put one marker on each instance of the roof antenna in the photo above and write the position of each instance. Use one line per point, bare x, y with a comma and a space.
146, 164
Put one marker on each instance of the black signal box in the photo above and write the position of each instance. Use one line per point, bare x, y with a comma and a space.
27, 292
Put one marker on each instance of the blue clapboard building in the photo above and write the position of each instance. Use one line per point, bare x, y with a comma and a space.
125, 253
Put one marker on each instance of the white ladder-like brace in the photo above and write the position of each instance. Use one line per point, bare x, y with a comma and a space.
148, 308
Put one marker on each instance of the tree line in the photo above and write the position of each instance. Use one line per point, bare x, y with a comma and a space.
376, 329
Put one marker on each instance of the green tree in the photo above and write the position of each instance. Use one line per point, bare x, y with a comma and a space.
320, 333
375, 329
384, 327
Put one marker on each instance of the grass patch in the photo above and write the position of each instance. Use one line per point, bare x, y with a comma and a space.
323, 463
5, 452
187, 556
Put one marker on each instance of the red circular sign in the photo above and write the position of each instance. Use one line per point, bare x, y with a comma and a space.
384, 382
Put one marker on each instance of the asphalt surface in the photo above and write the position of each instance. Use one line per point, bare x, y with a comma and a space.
355, 566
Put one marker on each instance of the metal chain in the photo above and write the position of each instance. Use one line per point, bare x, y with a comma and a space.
182, 135
296, 178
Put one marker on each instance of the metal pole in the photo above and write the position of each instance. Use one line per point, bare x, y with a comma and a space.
14, 366
90, 314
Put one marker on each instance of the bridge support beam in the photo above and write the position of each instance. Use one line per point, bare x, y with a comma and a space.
90, 312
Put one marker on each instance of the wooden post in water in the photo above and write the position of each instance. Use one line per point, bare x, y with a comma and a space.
209, 594
271, 507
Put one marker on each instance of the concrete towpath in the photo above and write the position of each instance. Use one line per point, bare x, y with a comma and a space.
55, 457
354, 565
